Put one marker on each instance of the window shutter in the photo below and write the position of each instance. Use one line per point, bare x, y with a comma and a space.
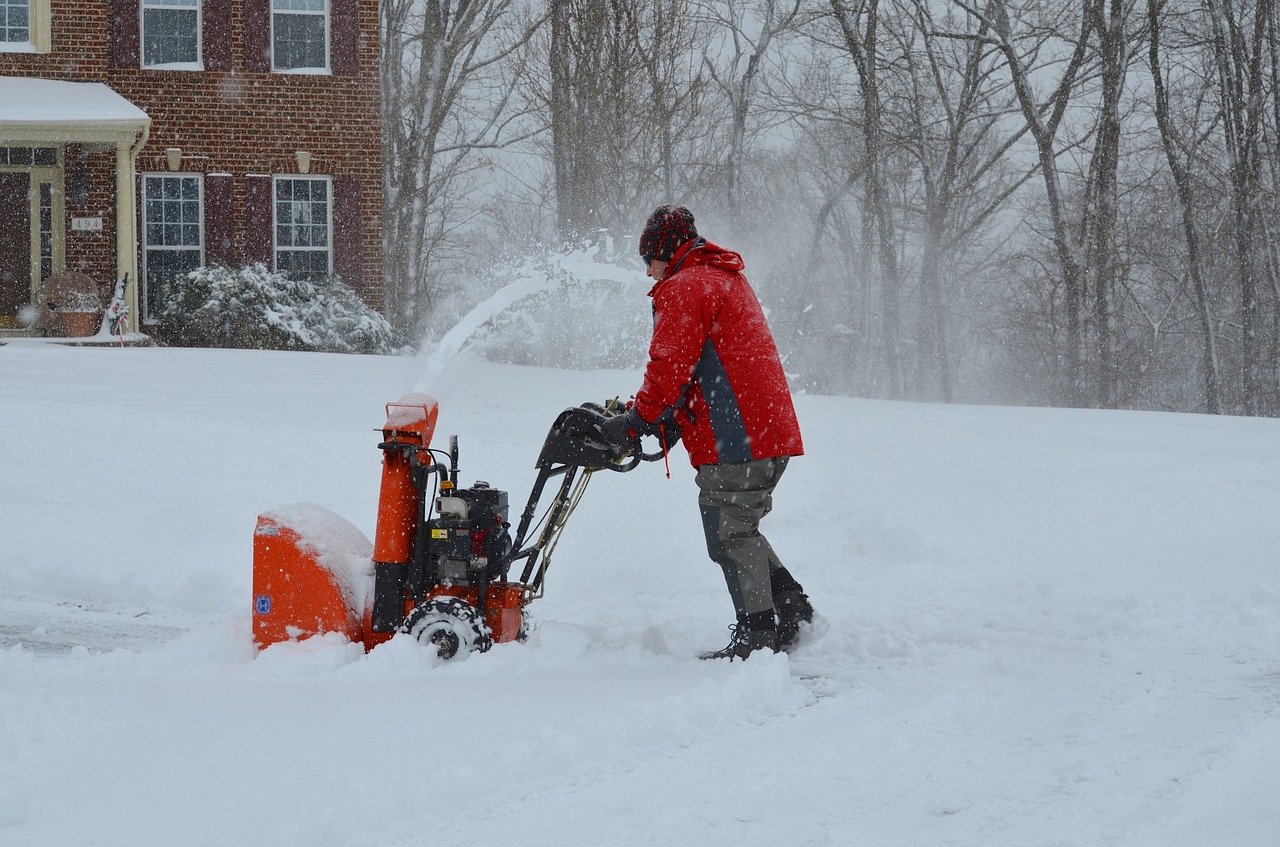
257, 36
216, 38
219, 220
258, 219
125, 33
348, 236
344, 37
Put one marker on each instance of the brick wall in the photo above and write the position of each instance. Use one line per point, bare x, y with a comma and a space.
93, 253
228, 121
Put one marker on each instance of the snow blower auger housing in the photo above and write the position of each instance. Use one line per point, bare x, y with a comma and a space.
440, 565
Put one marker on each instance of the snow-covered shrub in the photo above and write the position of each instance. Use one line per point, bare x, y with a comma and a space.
252, 307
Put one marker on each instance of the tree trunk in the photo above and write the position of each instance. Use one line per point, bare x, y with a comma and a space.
1108, 21
877, 227
1182, 182
1044, 133
1239, 64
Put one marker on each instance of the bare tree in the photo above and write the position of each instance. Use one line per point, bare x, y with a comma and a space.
834, 280
901, 136
1044, 119
1107, 19
752, 29
446, 86
1178, 168
956, 129
859, 26
621, 98
1237, 50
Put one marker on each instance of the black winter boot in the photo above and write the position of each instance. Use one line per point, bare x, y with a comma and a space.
749, 636
793, 609
745, 642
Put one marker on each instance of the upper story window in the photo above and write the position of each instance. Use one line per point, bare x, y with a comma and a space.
170, 33
15, 21
300, 35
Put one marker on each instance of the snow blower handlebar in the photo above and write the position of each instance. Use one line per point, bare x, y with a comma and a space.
575, 448
577, 438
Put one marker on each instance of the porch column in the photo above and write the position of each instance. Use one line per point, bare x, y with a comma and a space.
127, 229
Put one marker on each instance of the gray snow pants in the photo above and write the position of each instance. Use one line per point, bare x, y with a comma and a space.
733, 499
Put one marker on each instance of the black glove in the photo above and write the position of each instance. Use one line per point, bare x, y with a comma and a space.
667, 428
622, 431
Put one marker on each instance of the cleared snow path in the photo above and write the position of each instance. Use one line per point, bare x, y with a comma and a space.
49, 626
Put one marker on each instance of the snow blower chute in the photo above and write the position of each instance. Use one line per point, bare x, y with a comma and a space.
439, 567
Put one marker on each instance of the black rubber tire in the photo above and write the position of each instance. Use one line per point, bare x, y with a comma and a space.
448, 625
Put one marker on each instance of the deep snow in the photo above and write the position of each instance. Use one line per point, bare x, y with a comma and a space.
1046, 627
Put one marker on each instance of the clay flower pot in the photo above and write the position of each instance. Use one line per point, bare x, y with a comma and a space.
80, 324
75, 304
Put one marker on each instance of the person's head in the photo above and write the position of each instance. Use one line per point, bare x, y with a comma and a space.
666, 229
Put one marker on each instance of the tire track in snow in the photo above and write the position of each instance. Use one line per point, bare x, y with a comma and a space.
49, 626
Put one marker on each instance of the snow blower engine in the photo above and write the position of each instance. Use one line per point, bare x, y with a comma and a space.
440, 565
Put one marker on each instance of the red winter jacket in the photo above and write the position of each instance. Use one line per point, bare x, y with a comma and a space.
712, 346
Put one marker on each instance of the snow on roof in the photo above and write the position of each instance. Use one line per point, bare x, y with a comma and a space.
44, 102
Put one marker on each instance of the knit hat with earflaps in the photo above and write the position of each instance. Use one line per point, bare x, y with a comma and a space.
665, 230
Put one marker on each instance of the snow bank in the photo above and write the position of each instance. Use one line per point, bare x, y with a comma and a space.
1042, 626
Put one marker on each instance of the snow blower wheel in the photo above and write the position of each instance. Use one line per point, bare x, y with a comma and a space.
449, 626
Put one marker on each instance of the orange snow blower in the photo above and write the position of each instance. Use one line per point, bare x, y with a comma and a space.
439, 566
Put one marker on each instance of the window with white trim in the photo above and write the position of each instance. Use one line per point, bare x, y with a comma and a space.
15, 21
299, 35
170, 33
303, 226
173, 234
24, 26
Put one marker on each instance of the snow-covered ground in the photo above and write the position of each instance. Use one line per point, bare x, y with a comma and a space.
1046, 627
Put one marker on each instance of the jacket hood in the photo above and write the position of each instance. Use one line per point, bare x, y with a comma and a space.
701, 252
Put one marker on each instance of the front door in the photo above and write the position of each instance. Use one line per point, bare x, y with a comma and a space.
15, 246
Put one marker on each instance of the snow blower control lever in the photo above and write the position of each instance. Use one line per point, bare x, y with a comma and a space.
442, 554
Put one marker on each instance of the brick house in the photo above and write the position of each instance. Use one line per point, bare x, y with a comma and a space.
150, 137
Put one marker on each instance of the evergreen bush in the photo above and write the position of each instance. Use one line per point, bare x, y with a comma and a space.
252, 307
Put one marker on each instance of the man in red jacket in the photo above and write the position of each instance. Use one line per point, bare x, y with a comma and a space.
714, 369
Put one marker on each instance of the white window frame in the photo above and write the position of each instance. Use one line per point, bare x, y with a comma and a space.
328, 39
38, 30
276, 248
142, 236
198, 64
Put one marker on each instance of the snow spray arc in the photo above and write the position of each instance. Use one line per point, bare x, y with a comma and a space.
538, 275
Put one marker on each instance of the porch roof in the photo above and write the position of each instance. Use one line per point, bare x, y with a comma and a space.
34, 110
